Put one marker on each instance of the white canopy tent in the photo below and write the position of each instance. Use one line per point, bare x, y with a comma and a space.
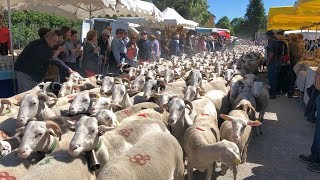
149, 11
172, 17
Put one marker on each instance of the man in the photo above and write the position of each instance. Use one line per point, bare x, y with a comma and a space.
4, 38
109, 28
32, 63
118, 52
144, 45
158, 36
313, 160
105, 48
283, 57
273, 64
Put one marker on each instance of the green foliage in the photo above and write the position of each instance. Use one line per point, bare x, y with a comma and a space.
196, 10
238, 25
255, 17
25, 25
224, 23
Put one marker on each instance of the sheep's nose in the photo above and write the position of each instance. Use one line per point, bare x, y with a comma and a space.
170, 120
74, 147
71, 109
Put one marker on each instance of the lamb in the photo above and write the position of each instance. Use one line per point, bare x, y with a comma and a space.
203, 149
148, 163
261, 95
237, 129
90, 135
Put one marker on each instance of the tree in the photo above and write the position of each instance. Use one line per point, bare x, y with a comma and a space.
196, 10
238, 26
255, 17
224, 23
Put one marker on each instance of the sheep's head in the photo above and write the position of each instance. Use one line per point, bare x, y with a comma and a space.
87, 133
190, 93
107, 117
82, 103
176, 108
238, 125
99, 79
230, 153
229, 74
107, 85
118, 93
31, 105
5, 106
67, 88
151, 87
139, 83
5, 148
36, 136
169, 76
100, 104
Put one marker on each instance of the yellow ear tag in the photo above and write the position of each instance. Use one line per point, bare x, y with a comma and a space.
237, 161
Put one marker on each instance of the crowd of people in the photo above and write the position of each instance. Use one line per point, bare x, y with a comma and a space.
57, 53
283, 53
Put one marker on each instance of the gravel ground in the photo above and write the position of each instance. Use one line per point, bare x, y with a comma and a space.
274, 155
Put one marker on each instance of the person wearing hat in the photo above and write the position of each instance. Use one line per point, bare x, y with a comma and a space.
144, 45
118, 52
105, 47
272, 63
4, 38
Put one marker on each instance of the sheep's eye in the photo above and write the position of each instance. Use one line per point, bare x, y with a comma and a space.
84, 100
68, 88
33, 103
108, 118
40, 134
92, 131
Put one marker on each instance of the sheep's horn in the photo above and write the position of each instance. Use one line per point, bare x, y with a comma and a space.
42, 96
6, 101
94, 95
116, 105
54, 126
200, 91
187, 102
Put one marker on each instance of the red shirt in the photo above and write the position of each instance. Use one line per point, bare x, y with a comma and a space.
5, 35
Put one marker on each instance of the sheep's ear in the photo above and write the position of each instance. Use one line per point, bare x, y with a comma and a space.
20, 130
102, 129
226, 117
254, 123
166, 107
267, 86
70, 125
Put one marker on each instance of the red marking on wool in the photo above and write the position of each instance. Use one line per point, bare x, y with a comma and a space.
6, 176
143, 115
3, 135
205, 115
200, 129
127, 112
125, 132
18, 98
71, 97
140, 159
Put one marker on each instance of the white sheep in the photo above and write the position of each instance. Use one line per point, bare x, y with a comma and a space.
237, 129
152, 162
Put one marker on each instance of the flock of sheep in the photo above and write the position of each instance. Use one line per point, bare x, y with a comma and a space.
152, 122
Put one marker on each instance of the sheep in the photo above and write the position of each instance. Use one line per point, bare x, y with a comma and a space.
67, 88
89, 133
237, 128
124, 113
178, 119
148, 163
247, 103
202, 146
138, 83
35, 106
194, 78
42, 137
261, 95
17, 167
82, 103
99, 104
107, 85
5, 106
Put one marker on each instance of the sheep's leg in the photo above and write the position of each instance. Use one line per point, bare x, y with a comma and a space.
261, 116
244, 155
190, 171
224, 169
209, 172
235, 172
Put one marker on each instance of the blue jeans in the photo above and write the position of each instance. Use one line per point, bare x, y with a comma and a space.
315, 148
273, 73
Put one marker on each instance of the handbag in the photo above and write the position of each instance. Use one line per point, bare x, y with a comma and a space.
317, 79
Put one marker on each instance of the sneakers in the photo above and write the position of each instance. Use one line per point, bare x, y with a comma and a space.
307, 159
314, 167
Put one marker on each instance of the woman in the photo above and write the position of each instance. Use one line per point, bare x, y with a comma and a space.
175, 45
118, 52
155, 49
77, 52
103, 42
202, 45
91, 55
294, 59
132, 51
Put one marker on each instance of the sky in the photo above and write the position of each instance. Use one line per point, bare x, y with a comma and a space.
237, 8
